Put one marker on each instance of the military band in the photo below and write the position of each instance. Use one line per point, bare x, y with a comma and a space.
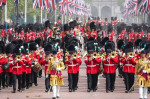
104, 47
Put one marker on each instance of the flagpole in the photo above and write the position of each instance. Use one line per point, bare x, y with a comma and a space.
65, 18
6, 16
55, 14
25, 20
41, 15
6, 12
62, 19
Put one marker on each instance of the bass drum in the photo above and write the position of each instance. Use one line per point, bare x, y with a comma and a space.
37, 67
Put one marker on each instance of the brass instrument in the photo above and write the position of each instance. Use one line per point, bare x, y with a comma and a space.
148, 55
51, 56
18, 58
113, 54
74, 56
123, 55
131, 55
94, 55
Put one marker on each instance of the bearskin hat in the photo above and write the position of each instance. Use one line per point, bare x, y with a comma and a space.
66, 27
93, 25
38, 41
33, 46
47, 24
120, 43
17, 50
128, 47
137, 42
9, 48
104, 40
109, 46
71, 25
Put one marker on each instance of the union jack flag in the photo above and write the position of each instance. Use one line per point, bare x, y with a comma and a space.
36, 4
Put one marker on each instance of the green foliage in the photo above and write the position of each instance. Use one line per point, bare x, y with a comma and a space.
120, 3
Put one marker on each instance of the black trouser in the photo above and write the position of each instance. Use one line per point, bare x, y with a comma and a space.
33, 76
3, 79
47, 82
92, 81
120, 70
40, 73
110, 81
72, 80
28, 80
4, 39
8, 78
77, 79
23, 79
19, 81
0, 79
129, 80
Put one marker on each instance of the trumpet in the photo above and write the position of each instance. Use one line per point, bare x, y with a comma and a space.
113, 54
18, 58
74, 56
51, 56
131, 55
95, 55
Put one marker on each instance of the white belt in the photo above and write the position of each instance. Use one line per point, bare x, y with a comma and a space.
46, 65
17, 67
72, 65
27, 66
109, 64
128, 65
11, 62
91, 65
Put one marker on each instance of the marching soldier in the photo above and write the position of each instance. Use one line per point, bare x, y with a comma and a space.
9, 52
48, 56
91, 62
35, 60
128, 61
142, 72
17, 69
110, 58
93, 32
27, 64
71, 62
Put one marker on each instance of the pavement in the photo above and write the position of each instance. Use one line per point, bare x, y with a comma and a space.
38, 92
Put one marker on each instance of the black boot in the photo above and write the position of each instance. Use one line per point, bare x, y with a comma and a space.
14, 91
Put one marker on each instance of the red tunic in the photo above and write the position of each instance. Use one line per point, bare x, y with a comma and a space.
92, 65
109, 64
1, 62
72, 66
10, 60
128, 65
17, 68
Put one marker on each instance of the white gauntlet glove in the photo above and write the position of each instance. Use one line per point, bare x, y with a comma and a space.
46, 76
58, 69
144, 71
57, 61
